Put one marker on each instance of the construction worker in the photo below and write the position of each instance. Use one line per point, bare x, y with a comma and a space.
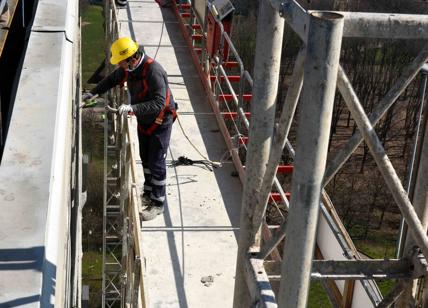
153, 105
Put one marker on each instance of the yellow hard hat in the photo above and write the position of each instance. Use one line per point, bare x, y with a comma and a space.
122, 49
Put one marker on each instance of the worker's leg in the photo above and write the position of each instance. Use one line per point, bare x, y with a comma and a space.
158, 148
144, 142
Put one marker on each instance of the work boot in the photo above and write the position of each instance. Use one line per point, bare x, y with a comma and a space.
121, 3
145, 200
151, 211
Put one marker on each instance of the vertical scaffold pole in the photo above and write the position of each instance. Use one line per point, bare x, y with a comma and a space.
270, 29
319, 86
413, 161
420, 203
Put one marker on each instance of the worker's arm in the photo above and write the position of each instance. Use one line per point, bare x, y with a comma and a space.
112, 80
156, 81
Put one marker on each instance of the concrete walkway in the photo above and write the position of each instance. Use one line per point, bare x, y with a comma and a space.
196, 238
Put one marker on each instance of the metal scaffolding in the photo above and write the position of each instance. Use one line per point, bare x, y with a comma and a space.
321, 33
122, 280
259, 261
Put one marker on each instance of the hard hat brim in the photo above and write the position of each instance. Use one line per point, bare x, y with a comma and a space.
114, 60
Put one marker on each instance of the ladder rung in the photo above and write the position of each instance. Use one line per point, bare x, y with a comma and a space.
197, 37
243, 140
198, 50
185, 15
111, 264
285, 169
234, 115
194, 26
113, 214
229, 97
277, 197
230, 64
185, 6
112, 237
232, 78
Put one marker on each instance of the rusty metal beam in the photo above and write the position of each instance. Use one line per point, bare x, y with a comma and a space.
356, 269
323, 52
270, 29
359, 24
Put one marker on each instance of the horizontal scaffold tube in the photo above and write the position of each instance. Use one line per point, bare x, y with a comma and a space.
359, 24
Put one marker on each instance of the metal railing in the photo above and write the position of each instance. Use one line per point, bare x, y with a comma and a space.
223, 90
123, 260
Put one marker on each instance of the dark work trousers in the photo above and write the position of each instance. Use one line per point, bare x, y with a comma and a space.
153, 150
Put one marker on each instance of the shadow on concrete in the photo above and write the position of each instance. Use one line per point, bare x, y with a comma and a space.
211, 135
29, 259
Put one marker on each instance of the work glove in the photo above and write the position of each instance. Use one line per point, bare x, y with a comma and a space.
89, 100
87, 96
125, 109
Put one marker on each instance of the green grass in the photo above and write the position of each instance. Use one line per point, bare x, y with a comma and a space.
92, 55
93, 267
319, 299
317, 296
91, 274
385, 286
376, 249
379, 245
93, 39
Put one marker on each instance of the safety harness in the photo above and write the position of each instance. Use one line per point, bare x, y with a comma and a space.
159, 119
167, 109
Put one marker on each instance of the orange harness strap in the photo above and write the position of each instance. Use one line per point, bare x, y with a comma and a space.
144, 74
160, 117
